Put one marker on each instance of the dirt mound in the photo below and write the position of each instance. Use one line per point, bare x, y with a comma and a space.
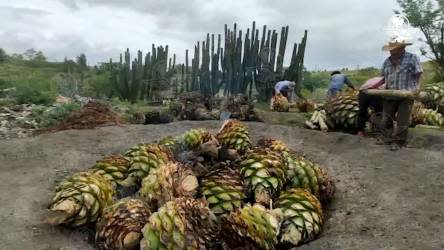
94, 114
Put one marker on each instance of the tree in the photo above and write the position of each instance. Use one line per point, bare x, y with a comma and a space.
3, 55
69, 66
428, 16
39, 56
316, 80
82, 67
81, 61
29, 54
17, 56
33, 55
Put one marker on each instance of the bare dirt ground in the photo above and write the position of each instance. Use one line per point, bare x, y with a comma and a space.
384, 200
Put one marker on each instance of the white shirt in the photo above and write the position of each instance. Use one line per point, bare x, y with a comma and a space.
283, 85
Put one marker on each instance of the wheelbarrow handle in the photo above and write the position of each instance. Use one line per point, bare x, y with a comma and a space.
395, 94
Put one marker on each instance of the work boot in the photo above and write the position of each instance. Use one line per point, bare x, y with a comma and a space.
383, 141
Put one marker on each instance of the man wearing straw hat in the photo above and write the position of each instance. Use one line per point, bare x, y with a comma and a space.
401, 71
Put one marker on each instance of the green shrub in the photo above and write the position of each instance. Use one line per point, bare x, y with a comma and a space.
30, 95
35, 90
315, 80
6, 102
3, 56
99, 85
48, 117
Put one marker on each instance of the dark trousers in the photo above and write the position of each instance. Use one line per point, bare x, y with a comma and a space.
284, 92
366, 102
399, 111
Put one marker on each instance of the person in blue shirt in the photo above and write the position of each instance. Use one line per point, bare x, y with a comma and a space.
337, 80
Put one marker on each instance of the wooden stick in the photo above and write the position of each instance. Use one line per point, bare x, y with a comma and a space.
391, 94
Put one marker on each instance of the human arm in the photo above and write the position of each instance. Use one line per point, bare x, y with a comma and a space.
418, 71
373, 83
348, 82
383, 75
277, 88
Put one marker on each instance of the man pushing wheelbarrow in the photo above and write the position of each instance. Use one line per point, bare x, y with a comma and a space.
402, 72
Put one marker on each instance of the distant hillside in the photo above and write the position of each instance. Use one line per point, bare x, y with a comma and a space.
39, 82
15, 69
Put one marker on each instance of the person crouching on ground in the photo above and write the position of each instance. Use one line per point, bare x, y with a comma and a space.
401, 71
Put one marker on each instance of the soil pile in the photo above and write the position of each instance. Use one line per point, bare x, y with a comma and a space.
94, 114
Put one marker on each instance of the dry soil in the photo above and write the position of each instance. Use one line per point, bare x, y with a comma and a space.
384, 200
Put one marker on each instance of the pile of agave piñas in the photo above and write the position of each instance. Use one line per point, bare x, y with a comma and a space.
341, 112
198, 191
280, 103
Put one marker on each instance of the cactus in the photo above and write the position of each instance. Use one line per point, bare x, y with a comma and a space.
282, 47
187, 73
239, 64
142, 77
295, 71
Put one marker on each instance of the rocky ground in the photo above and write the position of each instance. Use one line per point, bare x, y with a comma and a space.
16, 121
384, 200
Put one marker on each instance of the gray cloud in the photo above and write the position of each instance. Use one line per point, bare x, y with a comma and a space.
72, 4
341, 33
10, 12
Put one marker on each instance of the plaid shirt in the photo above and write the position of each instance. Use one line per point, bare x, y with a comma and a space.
405, 75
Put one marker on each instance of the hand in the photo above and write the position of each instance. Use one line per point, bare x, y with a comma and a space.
419, 94
416, 92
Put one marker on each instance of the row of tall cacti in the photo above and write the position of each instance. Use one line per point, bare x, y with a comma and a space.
295, 70
142, 77
244, 64
205, 67
239, 64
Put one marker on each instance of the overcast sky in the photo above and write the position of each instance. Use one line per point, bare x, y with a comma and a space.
341, 34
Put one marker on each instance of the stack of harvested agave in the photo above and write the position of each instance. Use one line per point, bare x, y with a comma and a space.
198, 191
341, 112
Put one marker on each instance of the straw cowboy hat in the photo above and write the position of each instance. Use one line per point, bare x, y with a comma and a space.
394, 44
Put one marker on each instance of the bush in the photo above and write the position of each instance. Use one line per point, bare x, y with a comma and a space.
48, 117
31, 95
99, 86
315, 80
36, 91
7, 102
3, 56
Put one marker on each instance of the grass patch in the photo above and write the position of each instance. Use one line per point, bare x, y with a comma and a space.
262, 106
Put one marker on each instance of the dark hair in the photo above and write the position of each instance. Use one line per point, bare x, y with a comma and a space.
335, 72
